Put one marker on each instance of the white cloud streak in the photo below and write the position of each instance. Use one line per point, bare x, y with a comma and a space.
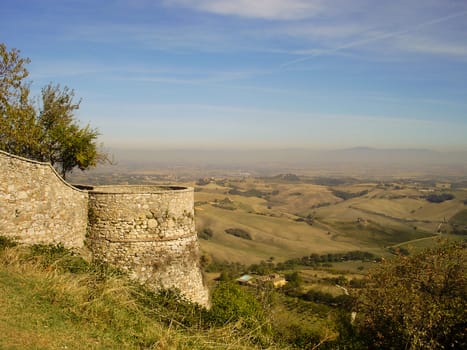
431, 46
381, 36
313, 28
265, 9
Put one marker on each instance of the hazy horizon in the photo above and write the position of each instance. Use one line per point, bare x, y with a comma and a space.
366, 162
220, 74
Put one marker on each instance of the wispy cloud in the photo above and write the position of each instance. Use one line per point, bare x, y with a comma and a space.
433, 46
190, 78
321, 30
307, 28
143, 73
266, 9
183, 38
376, 36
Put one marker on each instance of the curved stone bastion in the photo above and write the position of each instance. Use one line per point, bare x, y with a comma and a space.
148, 231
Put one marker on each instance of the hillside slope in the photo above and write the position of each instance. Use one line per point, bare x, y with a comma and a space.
52, 299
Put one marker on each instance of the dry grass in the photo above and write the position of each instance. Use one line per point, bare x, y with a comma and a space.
384, 216
279, 237
46, 308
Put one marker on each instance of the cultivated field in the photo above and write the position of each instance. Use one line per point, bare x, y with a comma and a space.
287, 216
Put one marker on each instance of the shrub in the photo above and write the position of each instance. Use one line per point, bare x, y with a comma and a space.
225, 203
294, 279
206, 233
318, 297
169, 306
439, 198
248, 193
238, 232
60, 257
7, 242
203, 182
399, 251
416, 302
459, 223
230, 303
219, 266
263, 268
348, 195
357, 283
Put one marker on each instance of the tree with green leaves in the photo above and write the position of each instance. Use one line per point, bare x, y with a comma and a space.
63, 142
416, 302
50, 132
18, 128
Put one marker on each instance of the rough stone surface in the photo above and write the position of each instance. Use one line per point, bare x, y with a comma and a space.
37, 206
148, 231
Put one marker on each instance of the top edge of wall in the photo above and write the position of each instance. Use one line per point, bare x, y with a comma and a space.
138, 189
47, 164
107, 189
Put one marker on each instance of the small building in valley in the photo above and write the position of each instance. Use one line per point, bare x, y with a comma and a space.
275, 279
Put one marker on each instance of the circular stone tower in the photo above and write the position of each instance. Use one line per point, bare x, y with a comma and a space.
149, 232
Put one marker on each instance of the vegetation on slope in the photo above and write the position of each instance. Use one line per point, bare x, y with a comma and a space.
349, 195
51, 298
459, 223
417, 302
439, 198
238, 232
408, 302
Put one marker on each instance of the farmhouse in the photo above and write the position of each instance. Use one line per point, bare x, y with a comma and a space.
274, 279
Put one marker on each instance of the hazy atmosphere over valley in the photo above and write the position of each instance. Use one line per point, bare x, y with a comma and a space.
254, 75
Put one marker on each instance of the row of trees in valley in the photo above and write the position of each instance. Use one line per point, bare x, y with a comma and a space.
46, 128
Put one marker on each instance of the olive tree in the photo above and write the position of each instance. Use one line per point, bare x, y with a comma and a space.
63, 142
18, 129
49, 132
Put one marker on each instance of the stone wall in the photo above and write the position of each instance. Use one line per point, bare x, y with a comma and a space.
149, 232
37, 206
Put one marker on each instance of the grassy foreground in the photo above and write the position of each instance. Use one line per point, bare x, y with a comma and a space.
52, 299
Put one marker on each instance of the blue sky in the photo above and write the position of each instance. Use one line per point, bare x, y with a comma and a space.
254, 73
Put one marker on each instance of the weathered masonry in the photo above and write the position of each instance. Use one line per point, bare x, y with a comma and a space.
148, 231
38, 206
